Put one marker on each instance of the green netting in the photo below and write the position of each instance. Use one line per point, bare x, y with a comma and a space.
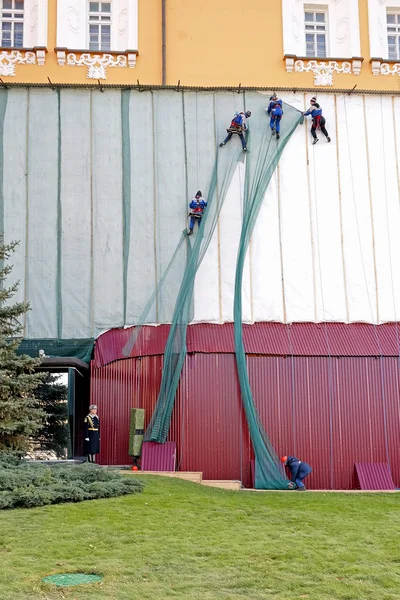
81, 349
262, 159
175, 351
264, 153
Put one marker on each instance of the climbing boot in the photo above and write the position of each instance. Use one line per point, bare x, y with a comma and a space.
328, 139
273, 131
315, 140
301, 489
190, 231
222, 144
277, 136
245, 149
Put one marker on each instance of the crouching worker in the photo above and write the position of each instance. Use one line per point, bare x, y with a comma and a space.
238, 126
275, 111
197, 206
299, 471
318, 121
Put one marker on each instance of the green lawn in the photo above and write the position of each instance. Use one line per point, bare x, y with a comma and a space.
181, 540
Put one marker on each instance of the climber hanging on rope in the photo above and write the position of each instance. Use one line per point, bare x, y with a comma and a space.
238, 126
197, 206
318, 121
275, 111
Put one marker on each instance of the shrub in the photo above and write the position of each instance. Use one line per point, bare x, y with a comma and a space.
25, 485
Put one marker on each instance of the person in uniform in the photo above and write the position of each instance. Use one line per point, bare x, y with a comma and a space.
92, 434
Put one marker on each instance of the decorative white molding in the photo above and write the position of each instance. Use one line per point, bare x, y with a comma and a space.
96, 64
8, 60
40, 56
132, 57
323, 71
393, 69
356, 64
381, 67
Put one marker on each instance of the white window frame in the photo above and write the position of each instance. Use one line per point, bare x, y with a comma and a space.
396, 34
12, 18
95, 19
378, 34
343, 27
314, 9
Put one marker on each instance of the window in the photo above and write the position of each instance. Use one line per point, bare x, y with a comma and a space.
316, 33
100, 26
12, 23
393, 35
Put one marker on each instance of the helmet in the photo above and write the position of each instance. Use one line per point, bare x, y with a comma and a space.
199, 194
274, 96
313, 100
248, 113
284, 459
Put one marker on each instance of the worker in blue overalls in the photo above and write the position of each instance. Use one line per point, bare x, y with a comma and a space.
238, 125
318, 121
197, 206
275, 111
298, 470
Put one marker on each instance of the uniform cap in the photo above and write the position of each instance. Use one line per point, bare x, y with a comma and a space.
92, 406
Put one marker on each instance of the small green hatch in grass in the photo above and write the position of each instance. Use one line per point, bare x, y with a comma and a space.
68, 579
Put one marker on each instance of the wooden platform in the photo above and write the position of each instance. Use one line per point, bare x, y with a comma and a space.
225, 484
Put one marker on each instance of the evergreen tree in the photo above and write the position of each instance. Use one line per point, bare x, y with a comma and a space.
20, 417
52, 398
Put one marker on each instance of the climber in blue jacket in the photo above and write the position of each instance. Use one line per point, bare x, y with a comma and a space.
275, 111
238, 126
299, 471
197, 206
318, 121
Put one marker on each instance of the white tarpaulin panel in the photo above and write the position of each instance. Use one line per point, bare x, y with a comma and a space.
15, 183
96, 188
107, 211
43, 220
76, 214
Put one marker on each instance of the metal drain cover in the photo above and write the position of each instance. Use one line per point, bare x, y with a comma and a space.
67, 579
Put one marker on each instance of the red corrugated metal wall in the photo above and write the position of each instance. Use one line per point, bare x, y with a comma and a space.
330, 412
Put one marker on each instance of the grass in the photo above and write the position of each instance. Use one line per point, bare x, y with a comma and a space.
180, 540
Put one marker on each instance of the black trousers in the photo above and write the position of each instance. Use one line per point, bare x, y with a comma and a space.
322, 127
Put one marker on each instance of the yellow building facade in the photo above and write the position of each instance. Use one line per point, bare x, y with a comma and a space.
288, 44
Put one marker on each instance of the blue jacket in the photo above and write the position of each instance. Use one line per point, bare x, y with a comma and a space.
198, 207
298, 469
240, 120
315, 111
275, 107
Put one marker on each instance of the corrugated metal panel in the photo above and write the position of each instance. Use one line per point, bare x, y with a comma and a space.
109, 345
158, 457
298, 339
374, 476
330, 412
